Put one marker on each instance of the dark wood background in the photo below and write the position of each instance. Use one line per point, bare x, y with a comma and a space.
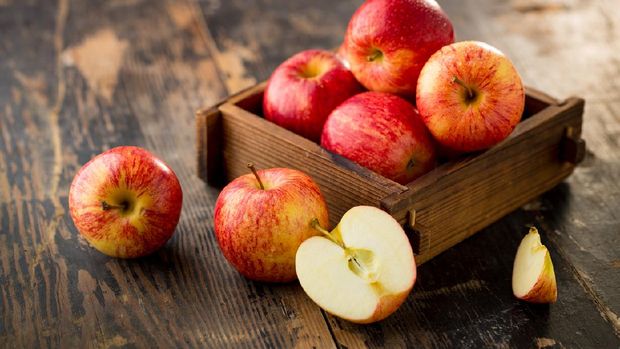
79, 77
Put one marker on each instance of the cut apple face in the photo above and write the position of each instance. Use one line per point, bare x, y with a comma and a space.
363, 270
533, 278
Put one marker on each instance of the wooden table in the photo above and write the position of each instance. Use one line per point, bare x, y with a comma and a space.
79, 77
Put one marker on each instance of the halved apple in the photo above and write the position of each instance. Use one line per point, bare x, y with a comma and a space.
363, 270
533, 278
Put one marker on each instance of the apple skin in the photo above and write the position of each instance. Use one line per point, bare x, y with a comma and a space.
148, 187
545, 289
304, 89
457, 122
259, 230
383, 133
388, 41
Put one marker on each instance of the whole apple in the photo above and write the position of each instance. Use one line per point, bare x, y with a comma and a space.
383, 133
304, 89
262, 218
470, 96
388, 41
126, 202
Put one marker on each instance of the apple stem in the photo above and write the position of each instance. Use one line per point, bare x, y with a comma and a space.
316, 225
374, 55
105, 206
470, 91
253, 169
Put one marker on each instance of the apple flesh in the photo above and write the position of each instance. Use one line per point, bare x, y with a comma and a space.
383, 133
262, 218
363, 270
304, 89
125, 202
388, 41
533, 278
470, 96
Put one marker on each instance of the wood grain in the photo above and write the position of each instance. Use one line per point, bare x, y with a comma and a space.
157, 62
141, 88
535, 34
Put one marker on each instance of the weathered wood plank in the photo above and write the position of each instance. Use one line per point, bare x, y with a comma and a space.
534, 35
81, 77
253, 40
463, 299
581, 217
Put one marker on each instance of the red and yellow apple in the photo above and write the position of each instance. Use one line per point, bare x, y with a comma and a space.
262, 218
304, 89
126, 202
383, 133
388, 41
470, 96
533, 278
363, 270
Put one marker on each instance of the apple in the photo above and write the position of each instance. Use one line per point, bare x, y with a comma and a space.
383, 133
533, 278
304, 89
262, 218
363, 270
470, 96
126, 202
388, 41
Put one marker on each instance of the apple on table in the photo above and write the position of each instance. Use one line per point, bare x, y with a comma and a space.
261, 219
470, 96
533, 277
126, 202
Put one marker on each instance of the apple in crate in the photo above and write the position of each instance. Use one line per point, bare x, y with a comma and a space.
470, 96
363, 270
533, 278
262, 218
126, 202
388, 41
383, 133
304, 89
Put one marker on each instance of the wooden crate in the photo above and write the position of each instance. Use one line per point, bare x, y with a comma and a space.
438, 210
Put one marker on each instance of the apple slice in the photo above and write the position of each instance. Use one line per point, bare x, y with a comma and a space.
533, 278
363, 270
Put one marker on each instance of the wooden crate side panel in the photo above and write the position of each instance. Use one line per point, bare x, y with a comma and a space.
536, 101
248, 138
208, 146
453, 203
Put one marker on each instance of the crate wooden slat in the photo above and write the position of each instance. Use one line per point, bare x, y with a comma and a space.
438, 210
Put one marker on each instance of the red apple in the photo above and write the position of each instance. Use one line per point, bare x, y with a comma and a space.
382, 132
388, 42
126, 202
262, 218
470, 96
304, 89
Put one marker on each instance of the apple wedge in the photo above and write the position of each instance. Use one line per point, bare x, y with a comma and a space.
533, 278
362, 271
